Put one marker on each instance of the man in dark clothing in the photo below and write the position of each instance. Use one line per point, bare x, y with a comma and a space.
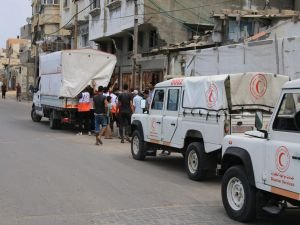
100, 109
125, 109
18, 92
3, 89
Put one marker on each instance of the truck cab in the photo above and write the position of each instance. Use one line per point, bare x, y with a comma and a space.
262, 167
192, 115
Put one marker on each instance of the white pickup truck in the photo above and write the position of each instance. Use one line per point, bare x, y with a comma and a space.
62, 76
192, 115
262, 167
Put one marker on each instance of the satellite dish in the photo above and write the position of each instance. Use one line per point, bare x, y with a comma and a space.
28, 20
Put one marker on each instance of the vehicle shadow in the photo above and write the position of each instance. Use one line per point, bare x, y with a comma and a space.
174, 163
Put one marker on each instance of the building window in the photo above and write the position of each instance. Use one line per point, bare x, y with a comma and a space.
141, 39
85, 40
50, 2
95, 4
130, 44
66, 4
153, 39
119, 43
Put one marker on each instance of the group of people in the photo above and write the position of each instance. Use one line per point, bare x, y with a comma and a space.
99, 110
18, 91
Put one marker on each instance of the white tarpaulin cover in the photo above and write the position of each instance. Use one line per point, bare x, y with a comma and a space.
67, 73
245, 90
255, 89
205, 92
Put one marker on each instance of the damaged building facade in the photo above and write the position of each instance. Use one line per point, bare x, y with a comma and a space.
162, 23
165, 24
242, 38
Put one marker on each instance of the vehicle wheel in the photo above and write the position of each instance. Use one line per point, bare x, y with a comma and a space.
54, 123
34, 116
238, 195
137, 146
196, 161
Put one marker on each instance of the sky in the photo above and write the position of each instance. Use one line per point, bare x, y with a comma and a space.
13, 14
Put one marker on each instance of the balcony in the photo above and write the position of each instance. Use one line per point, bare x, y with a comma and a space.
95, 12
114, 4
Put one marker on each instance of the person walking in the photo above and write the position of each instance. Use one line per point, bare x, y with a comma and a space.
100, 109
18, 92
108, 132
3, 90
84, 110
136, 102
125, 109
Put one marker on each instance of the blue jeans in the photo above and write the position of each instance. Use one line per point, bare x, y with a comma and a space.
100, 120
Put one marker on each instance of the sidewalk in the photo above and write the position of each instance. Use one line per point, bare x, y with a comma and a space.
11, 95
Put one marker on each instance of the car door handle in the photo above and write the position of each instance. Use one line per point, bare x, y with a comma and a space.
158, 122
296, 157
173, 124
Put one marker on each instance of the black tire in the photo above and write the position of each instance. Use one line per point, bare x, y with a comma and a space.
54, 123
34, 116
138, 149
197, 162
243, 210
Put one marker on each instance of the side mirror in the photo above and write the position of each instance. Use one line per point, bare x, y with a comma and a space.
258, 120
143, 103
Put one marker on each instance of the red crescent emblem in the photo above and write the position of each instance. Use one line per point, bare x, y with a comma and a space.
282, 159
258, 86
212, 95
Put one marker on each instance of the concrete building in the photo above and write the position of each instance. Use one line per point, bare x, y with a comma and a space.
14, 48
25, 31
3, 61
163, 24
45, 18
111, 28
67, 11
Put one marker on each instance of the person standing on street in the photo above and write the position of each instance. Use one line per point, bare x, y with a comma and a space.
100, 109
137, 102
3, 90
125, 109
108, 132
84, 110
18, 90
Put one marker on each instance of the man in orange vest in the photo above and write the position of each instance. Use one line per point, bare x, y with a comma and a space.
84, 110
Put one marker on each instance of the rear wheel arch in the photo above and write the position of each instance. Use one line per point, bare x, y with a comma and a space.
192, 136
238, 156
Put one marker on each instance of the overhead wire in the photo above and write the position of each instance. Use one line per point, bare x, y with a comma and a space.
162, 11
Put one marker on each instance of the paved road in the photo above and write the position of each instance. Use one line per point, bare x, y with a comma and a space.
57, 178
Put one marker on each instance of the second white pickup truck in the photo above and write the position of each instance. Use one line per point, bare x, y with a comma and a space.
192, 115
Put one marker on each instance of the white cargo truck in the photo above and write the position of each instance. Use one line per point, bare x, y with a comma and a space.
192, 115
262, 167
62, 76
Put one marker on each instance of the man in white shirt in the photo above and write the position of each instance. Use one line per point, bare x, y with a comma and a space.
137, 102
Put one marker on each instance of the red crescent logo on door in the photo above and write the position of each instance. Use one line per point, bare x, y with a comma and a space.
282, 159
212, 95
258, 86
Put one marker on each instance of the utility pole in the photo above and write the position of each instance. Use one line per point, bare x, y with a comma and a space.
76, 24
135, 43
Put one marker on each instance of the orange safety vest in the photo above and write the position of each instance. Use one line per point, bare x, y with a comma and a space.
84, 102
114, 109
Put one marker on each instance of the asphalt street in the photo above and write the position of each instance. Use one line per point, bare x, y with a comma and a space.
53, 177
